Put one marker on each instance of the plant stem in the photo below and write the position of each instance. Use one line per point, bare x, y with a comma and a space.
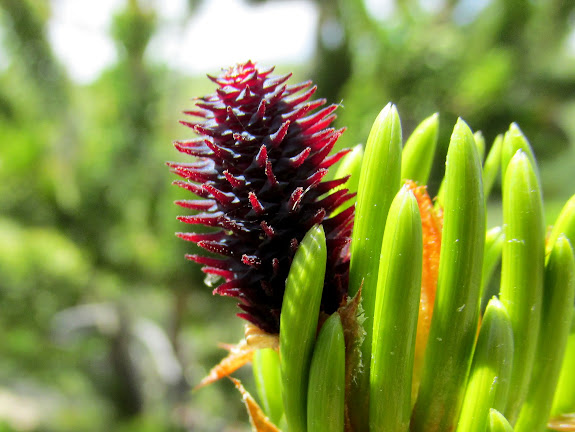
456, 311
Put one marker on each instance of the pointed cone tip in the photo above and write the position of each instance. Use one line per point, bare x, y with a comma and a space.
462, 123
390, 108
520, 157
514, 127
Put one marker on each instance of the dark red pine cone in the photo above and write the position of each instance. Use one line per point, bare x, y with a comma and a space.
259, 166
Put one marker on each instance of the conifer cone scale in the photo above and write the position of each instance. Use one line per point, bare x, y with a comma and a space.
260, 161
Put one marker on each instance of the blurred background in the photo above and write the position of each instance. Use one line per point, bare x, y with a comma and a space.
103, 324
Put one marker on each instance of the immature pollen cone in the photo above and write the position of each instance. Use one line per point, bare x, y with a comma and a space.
261, 158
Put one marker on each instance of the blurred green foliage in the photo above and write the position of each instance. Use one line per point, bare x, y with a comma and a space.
490, 62
103, 324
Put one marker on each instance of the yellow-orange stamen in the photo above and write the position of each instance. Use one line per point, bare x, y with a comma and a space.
240, 354
432, 225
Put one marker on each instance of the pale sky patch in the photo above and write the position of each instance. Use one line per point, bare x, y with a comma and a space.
222, 32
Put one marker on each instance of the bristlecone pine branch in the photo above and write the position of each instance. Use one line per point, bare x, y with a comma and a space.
260, 160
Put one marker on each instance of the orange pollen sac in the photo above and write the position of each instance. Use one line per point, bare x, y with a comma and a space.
432, 226
240, 354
